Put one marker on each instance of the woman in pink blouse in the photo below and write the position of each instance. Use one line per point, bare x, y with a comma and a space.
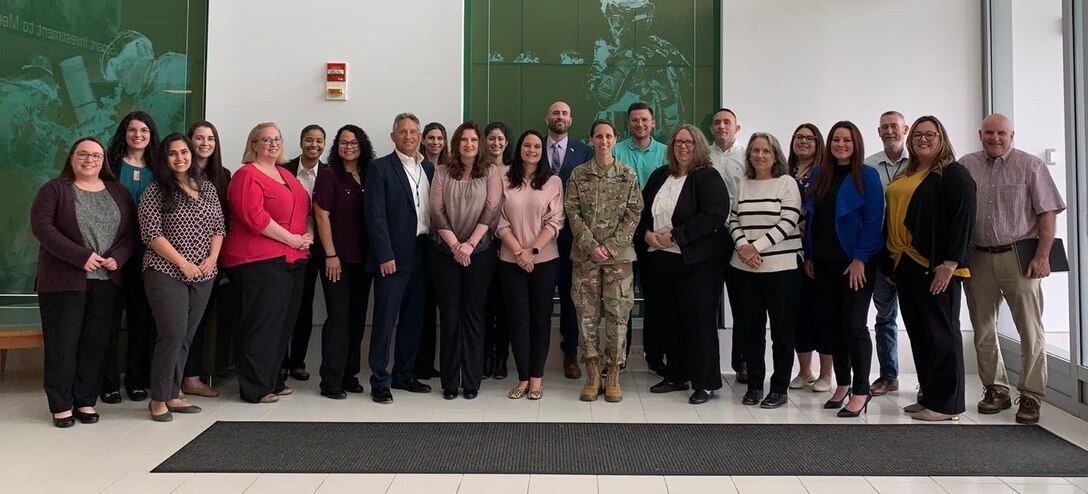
532, 215
182, 224
266, 251
465, 200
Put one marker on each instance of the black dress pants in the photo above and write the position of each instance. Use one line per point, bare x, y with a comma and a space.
774, 295
845, 313
303, 325
568, 316
76, 327
270, 293
342, 334
496, 325
461, 299
140, 327
810, 334
681, 303
428, 339
529, 313
732, 288
933, 325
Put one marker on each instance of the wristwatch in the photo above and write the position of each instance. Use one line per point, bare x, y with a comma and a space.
535, 251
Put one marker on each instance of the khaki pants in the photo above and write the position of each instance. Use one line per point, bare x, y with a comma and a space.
997, 277
607, 288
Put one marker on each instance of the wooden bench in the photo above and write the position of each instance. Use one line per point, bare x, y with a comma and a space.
20, 325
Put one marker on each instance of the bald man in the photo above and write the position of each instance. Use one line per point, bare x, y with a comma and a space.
564, 154
1017, 200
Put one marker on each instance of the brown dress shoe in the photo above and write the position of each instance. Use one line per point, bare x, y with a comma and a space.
570, 367
994, 401
883, 386
1029, 410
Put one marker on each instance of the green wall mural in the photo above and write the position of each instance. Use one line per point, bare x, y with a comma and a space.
598, 55
71, 68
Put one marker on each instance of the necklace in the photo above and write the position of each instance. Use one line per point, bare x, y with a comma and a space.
417, 180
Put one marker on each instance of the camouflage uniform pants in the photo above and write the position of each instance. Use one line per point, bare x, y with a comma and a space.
609, 287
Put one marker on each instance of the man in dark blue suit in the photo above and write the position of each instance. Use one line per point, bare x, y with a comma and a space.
397, 222
564, 154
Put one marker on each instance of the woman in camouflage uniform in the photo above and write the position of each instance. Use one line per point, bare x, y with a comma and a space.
603, 204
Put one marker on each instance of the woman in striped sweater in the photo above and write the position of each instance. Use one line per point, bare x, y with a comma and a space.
767, 263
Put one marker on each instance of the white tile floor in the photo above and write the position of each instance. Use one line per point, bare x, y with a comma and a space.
116, 455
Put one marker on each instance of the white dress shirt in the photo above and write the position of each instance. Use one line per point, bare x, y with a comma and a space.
421, 189
730, 165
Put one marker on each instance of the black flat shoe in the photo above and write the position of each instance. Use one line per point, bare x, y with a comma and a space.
845, 413
471, 394
412, 386
137, 395
774, 400
110, 397
833, 404
86, 418
187, 409
335, 395
354, 387
500, 370
65, 422
668, 387
489, 367
700, 396
300, 375
449, 394
381, 395
752, 397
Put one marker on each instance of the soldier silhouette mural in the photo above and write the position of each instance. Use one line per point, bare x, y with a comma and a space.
635, 65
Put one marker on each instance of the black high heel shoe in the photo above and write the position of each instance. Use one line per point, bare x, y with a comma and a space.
832, 404
844, 413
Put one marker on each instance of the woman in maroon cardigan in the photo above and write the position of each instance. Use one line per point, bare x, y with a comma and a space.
84, 220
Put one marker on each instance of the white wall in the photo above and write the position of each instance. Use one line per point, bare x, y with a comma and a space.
1039, 118
266, 63
793, 61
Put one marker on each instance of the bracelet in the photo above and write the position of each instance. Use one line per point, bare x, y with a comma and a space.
332, 256
946, 267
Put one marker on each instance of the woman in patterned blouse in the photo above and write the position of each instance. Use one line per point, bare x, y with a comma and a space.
181, 222
806, 153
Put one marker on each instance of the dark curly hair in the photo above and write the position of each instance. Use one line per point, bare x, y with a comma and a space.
118, 146
366, 151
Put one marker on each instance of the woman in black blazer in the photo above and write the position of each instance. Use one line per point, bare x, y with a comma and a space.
930, 213
683, 243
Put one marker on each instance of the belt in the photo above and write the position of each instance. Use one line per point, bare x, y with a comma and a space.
997, 249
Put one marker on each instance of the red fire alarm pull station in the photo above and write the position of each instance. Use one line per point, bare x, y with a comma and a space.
336, 81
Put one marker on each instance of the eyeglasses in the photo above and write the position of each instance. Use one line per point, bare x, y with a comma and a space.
928, 136
141, 130
95, 157
684, 143
268, 141
805, 138
349, 144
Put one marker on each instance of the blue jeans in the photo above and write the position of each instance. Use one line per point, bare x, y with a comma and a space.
887, 308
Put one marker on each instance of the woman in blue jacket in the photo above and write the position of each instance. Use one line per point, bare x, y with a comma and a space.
845, 205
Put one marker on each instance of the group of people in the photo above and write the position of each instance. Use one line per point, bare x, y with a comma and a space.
487, 234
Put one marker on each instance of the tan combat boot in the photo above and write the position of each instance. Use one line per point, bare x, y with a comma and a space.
593, 381
612, 392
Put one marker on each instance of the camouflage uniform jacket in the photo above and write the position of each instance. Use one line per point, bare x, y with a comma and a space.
603, 208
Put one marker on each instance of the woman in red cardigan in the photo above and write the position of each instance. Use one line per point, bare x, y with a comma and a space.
84, 220
265, 252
